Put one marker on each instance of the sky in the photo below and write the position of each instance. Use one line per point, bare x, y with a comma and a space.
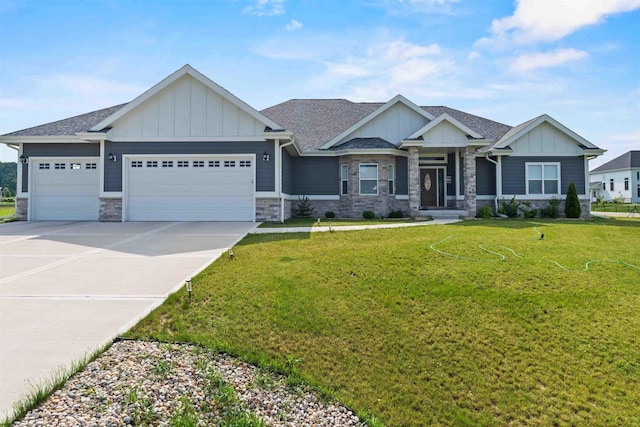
509, 61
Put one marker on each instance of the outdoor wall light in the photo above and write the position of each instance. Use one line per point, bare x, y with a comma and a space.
23, 159
265, 157
112, 157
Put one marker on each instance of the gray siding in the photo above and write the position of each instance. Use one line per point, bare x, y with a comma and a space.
315, 175
485, 177
513, 173
402, 176
451, 171
55, 150
265, 171
286, 172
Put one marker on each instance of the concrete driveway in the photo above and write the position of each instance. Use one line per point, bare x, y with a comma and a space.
67, 288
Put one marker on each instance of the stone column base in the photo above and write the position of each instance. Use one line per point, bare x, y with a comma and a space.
268, 209
110, 209
22, 206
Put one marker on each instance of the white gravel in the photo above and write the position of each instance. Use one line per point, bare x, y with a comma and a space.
148, 383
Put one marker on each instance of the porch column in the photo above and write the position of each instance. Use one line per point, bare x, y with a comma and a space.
469, 163
413, 166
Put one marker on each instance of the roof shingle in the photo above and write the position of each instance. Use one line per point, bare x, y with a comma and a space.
630, 159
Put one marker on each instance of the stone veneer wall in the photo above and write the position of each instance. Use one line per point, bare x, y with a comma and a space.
268, 209
413, 168
110, 209
22, 205
469, 168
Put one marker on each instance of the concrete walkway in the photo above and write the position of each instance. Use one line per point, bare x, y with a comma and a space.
68, 288
322, 228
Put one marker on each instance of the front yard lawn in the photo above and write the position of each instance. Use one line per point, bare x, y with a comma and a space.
324, 222
422, 326
7, 209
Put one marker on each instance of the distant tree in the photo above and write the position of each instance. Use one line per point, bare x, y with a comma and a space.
572, 207
8, 178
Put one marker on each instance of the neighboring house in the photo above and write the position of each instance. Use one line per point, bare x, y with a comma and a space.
189, 150
617, 179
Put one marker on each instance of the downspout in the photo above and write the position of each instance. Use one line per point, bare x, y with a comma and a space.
280, 189
498, 181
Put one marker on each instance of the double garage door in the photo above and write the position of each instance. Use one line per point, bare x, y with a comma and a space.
159, 188
181, 188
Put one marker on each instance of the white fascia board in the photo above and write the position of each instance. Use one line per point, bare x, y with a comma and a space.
372, 151
92, 136
593, 152
409, 143
445, 117
282, 136
188, 139
184, 70
57, 139
553, 122
393, 101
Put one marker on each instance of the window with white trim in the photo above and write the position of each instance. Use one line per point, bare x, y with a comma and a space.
368, 178
75, 166
90, 166
392, 180
183, 163
344, 179
626, 184
611, 184
214, 163
245, 163
543, 178
167, 163
604, 185
136, 164
60, 166
229, 163
44, 166
152, 163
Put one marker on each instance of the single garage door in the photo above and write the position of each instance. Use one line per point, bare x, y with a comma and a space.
64, 188
194, 188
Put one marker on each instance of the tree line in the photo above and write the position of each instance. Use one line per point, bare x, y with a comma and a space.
8, 178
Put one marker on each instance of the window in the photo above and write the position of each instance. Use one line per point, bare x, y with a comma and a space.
44, 166
198, 163
611, 184
152, 163
167, 163
369, 179
245, 163
183, 164
75, 166
214, 163
543, 178
604, 185
638, 193
90, 165
392, 180
60, 166
344, 179
136, 164
626, 184
229, 163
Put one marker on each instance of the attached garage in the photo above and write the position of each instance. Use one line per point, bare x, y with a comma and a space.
64, 188
189, 188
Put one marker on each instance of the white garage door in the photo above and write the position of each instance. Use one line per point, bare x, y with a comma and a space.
65, 188
195, 188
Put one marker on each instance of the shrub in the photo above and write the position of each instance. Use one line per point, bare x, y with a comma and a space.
396, 214
527, 211
303, 208
572, 207
368, 215
484, 212
618, 200
329, 214
509, 208
550, 209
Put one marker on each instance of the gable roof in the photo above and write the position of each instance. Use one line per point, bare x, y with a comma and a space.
69, 126
375, 113
630, 159
364, 143
489, 129
206, 81
441, 118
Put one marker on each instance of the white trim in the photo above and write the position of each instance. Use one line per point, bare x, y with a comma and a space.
184, 70
343, 180
393, 101
56, 139
370, 151
402, 197
189, 139
443, 161
390, 178
266, 194
560, 197
499, 177
370, 179
587, 187
444, 117
543, 164
102, 167
19, 192
111, 194
311, 197
457, 167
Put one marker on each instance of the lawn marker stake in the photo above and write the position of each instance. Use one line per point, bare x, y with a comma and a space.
189, 288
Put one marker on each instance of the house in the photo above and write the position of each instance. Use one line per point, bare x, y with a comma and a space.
189, 150
617, 179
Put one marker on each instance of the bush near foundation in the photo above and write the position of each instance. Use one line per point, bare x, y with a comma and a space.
572, 207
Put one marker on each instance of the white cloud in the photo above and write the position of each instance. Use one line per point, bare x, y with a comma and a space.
265, 8
533, 61
294, 25
535, 20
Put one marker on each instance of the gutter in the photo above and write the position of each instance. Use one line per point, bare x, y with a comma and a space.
280, 189
498, 181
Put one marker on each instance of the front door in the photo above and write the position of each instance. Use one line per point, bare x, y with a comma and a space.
432, 189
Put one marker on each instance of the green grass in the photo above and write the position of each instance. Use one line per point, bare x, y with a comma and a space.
615, 207
416, 337
324, 222
7, 209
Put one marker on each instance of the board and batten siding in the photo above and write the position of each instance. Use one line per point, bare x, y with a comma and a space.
315, 176
186, 108
55, 150
545, 140
513, 172
444, 134
402, 176
265, 171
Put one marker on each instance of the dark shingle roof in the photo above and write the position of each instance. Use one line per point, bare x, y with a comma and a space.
630, 159
363, 143
512, 131
70, 126
487, 128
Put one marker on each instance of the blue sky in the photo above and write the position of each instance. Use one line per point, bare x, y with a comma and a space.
576, 60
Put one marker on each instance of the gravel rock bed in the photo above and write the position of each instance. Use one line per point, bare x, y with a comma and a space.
149, 383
